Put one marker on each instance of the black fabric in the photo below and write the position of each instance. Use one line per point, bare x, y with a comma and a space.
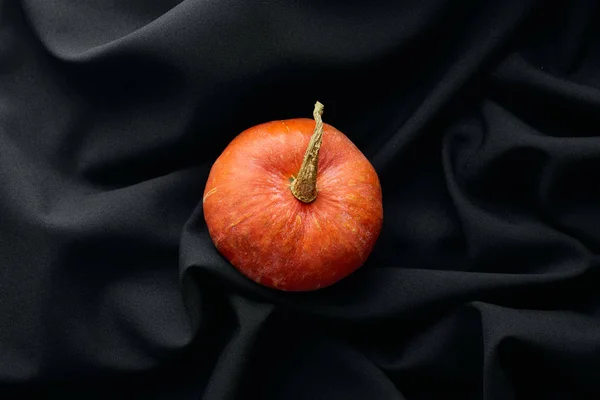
481, 117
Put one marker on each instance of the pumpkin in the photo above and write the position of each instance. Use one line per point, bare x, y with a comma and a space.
293, 204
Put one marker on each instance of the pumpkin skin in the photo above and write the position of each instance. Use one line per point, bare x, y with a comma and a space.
275, 239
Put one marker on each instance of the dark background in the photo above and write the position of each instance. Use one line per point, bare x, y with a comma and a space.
481, 118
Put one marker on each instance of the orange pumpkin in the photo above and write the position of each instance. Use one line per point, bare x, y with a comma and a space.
293, 204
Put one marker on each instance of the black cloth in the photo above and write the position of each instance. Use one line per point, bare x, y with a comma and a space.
482, 119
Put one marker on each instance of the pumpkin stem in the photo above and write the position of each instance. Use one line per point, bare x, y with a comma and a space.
304, 187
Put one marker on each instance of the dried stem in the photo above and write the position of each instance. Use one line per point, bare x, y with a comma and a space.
304, 187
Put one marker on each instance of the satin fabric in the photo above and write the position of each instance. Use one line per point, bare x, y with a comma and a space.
480, 117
